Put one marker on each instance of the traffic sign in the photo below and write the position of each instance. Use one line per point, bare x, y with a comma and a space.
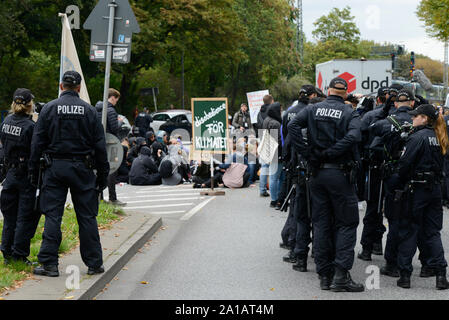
114, 150
125, 24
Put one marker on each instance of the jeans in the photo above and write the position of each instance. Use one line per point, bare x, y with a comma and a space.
263, 178
275, 180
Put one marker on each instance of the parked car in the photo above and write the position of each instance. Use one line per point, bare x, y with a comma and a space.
163, 116
179, 124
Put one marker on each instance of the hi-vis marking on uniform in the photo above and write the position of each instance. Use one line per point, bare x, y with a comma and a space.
433, 141
12, 130
330, 113
70, 109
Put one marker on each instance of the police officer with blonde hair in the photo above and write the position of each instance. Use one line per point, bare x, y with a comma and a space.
17, 197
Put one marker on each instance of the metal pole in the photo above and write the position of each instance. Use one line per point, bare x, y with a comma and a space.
446, 75
212, 171
182, 78
154, 99
107, 76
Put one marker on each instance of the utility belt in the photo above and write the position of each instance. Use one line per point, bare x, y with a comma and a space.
87, 159
426, 180
349, 169
387, 169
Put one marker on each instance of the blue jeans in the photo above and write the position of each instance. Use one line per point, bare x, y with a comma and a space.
263, 178
252, 172
275, 180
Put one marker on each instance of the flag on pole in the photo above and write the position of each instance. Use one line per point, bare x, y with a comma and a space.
69, 57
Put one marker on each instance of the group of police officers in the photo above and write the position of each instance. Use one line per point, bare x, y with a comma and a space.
392, 157
398, 149
43, 160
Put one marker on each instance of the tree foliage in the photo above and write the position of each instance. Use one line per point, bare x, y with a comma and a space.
435, 15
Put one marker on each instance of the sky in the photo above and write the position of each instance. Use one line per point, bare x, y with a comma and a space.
393, 21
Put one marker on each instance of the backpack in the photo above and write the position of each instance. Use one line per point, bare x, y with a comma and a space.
233, 177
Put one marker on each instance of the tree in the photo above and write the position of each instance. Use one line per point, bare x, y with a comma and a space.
435, 15
338, 25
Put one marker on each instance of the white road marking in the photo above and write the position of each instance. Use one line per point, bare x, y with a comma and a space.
160, 196
196, 209
159, 206
166, 199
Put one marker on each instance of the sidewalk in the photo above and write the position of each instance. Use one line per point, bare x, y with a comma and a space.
119, 244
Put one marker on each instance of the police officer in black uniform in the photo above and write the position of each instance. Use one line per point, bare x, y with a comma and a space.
420, 171
373, 227
18, 194
333, 130
70, 136
297, 228
143, 121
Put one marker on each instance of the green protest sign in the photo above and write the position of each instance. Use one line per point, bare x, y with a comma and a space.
210, 124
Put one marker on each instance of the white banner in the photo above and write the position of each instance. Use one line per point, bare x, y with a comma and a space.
69, 57
255, 101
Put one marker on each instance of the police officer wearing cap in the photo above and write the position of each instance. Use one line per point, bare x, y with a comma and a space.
297, 228
69, 135
391, 134
420, 171
333, 130
18, 194
143, 121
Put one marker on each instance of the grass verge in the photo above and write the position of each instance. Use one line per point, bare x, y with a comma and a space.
13, 274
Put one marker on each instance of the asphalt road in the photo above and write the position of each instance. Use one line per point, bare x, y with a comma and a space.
230, 250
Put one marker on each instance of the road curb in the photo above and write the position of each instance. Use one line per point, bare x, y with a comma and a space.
90, 287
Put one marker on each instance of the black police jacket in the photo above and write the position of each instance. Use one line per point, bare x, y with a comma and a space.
422, 153
333, 129
16, 135
112, 123
143, 121
286, 118
386, 138
69, 127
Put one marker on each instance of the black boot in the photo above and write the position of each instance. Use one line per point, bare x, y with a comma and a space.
365, 255
326, 280
441, 282
427, 272
47, 270
342, 282
284, 246
377, 249
301, 265
390, 270
290, 257
92, 271
404, 280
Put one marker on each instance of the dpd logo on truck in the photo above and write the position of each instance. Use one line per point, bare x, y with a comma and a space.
351, 80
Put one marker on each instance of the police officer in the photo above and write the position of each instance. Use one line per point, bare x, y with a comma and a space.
333, 130
69, 134
143, 121
18, 195
389, 139
420, 170
296, 231
373, 227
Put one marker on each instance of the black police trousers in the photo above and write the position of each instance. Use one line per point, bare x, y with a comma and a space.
423, 222
288, 233
58, 178
373, 227
335, 217
303, 223
19, 219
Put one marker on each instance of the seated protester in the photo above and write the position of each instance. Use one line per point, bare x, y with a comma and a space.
123, 170
237, 172
150, 138
157, 153
144, 171
132, 142
180, 159
201, 174
218, 178
162, 138
169, 172
134, 151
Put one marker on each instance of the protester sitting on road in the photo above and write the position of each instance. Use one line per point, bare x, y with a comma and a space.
134, 152
123, 170
181, 159
201, 174
150, 138
157, 152
162, 138
144, 171
237, 170
169, 172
